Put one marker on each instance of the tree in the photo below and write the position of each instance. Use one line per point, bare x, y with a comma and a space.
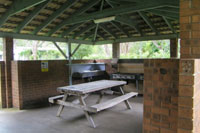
83, 51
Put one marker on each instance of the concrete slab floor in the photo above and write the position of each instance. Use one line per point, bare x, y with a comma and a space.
43, 120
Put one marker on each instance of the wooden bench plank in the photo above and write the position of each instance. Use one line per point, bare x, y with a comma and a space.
113, 102
55, 98
69, 104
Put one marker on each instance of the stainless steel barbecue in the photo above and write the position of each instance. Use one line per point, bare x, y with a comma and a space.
88, 71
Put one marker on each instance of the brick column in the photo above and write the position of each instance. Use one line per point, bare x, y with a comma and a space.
116, 50
174, 48
8, 57
190, 28
189, 96
189, 75
160, 96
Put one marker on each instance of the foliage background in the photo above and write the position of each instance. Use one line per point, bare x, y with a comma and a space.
39, 50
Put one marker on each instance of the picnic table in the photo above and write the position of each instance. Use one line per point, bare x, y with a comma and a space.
83, 90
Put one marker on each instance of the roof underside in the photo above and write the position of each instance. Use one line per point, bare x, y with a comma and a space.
73, 20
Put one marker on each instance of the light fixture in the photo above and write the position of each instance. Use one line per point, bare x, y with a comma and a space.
103, 20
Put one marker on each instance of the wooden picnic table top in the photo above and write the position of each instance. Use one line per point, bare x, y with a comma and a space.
85, 88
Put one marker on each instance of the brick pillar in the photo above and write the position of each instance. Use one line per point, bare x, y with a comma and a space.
3, 88
189, 96
189, 75
8, 57
174, 48
190, 28
160, 96
116, 50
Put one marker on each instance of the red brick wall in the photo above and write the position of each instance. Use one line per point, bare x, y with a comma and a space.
190, 28
189, 96
161, 80
3, 88
30, 86
189, 85
174, 48
8, 57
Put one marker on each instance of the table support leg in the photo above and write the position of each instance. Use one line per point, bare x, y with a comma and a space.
126, 101
89, 118
61, 106
100, 98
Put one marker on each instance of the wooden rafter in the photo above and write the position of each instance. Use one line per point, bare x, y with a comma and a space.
31, 16
148, 21
82, 13
72, 28
120, 28
126, 20
79, 12
61, 51
115, 24
106, 29
97, 26
101, 35
77, 47
169, 24
129, 22
59, 11
105, 13
134, 39
87, 35
174, 16
18, 6
85, 29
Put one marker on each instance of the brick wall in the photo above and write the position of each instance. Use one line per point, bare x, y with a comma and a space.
174, 48
30, 86
189, 96
190, 28
8, 57
161, 80
2, 86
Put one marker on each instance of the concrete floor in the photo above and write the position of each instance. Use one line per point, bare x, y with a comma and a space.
43, 120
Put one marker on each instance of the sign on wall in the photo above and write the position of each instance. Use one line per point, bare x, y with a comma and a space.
44, 66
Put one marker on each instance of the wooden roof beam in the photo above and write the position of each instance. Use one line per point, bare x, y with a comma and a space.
72, 28
171, 10
106, 29
134, 39
120, 28
152, 1
79, 12
74, 19
87, 35
129, 22
41, 38
31, 16
55, 14
85, 29
101, 35
174, 16
97, 25
148, 21
76, 49
18, 6
169, 24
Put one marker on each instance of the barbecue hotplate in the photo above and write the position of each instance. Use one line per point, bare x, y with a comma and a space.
126, 76
88, 73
